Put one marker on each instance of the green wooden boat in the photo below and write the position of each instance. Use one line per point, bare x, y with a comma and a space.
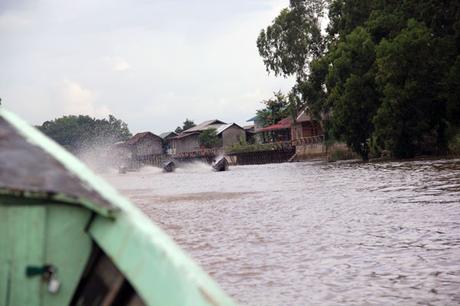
69, 238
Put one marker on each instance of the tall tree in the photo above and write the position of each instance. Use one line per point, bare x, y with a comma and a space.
385, 73
77, 133
293, 39
411, 118
352, 90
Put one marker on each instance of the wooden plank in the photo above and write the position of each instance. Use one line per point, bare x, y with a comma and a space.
25, 247
4, 257
68, 248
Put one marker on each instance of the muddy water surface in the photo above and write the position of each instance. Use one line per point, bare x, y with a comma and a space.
315, 233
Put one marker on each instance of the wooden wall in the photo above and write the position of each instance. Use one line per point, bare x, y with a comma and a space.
148, 146
185, 144
232, 135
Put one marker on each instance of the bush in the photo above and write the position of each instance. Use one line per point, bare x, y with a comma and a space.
244, 148
340, 152
209, 139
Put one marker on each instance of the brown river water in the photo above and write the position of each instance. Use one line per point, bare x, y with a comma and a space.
314, 233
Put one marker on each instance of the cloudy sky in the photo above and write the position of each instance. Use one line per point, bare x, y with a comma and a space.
152, 63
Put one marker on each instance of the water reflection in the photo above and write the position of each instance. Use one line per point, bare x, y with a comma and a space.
315, 233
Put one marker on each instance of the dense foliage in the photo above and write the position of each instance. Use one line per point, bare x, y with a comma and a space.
275, 109
185, 126
384, 76
78, 133
209, 138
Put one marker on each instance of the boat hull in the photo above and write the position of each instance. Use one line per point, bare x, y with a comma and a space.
169, 166
220, 165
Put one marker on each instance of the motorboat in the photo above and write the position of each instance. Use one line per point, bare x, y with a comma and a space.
220, 164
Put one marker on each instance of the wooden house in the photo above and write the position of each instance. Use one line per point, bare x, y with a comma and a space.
305, 127
231, 134
280, 131
257, 122
250, 133
288, 129
251, 130
144, 145
167, 137
188, 140
210, 124
185, 142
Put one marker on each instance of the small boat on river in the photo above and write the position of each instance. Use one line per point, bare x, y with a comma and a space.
169, 166
69, 238
220, 164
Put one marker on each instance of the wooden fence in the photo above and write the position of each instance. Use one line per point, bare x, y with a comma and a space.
205, 155
281, 151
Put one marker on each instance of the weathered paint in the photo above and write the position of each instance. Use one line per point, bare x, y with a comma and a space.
59, 198
68, 247
232, 134
187, 143
22, 235
34, 233
155, 266
26, 168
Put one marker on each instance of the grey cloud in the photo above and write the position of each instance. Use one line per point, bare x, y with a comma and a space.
6, 5
152, 64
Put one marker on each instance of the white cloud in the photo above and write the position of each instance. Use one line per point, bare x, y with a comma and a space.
117, 63
78, 100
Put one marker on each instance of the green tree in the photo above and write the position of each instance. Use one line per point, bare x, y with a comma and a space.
453, 93
293, 39
386, 71
275, 109
187, 124
352, 90
312, 89
209, 138
77, 133
346, 15
411, 118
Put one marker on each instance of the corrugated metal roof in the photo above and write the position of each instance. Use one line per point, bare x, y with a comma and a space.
280, 125
139, 136
167, 134
182, 135
205, 125
226, 126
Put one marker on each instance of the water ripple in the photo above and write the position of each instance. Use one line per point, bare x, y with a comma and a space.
315, 233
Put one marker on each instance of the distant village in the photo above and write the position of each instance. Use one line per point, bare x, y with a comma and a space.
287, 140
